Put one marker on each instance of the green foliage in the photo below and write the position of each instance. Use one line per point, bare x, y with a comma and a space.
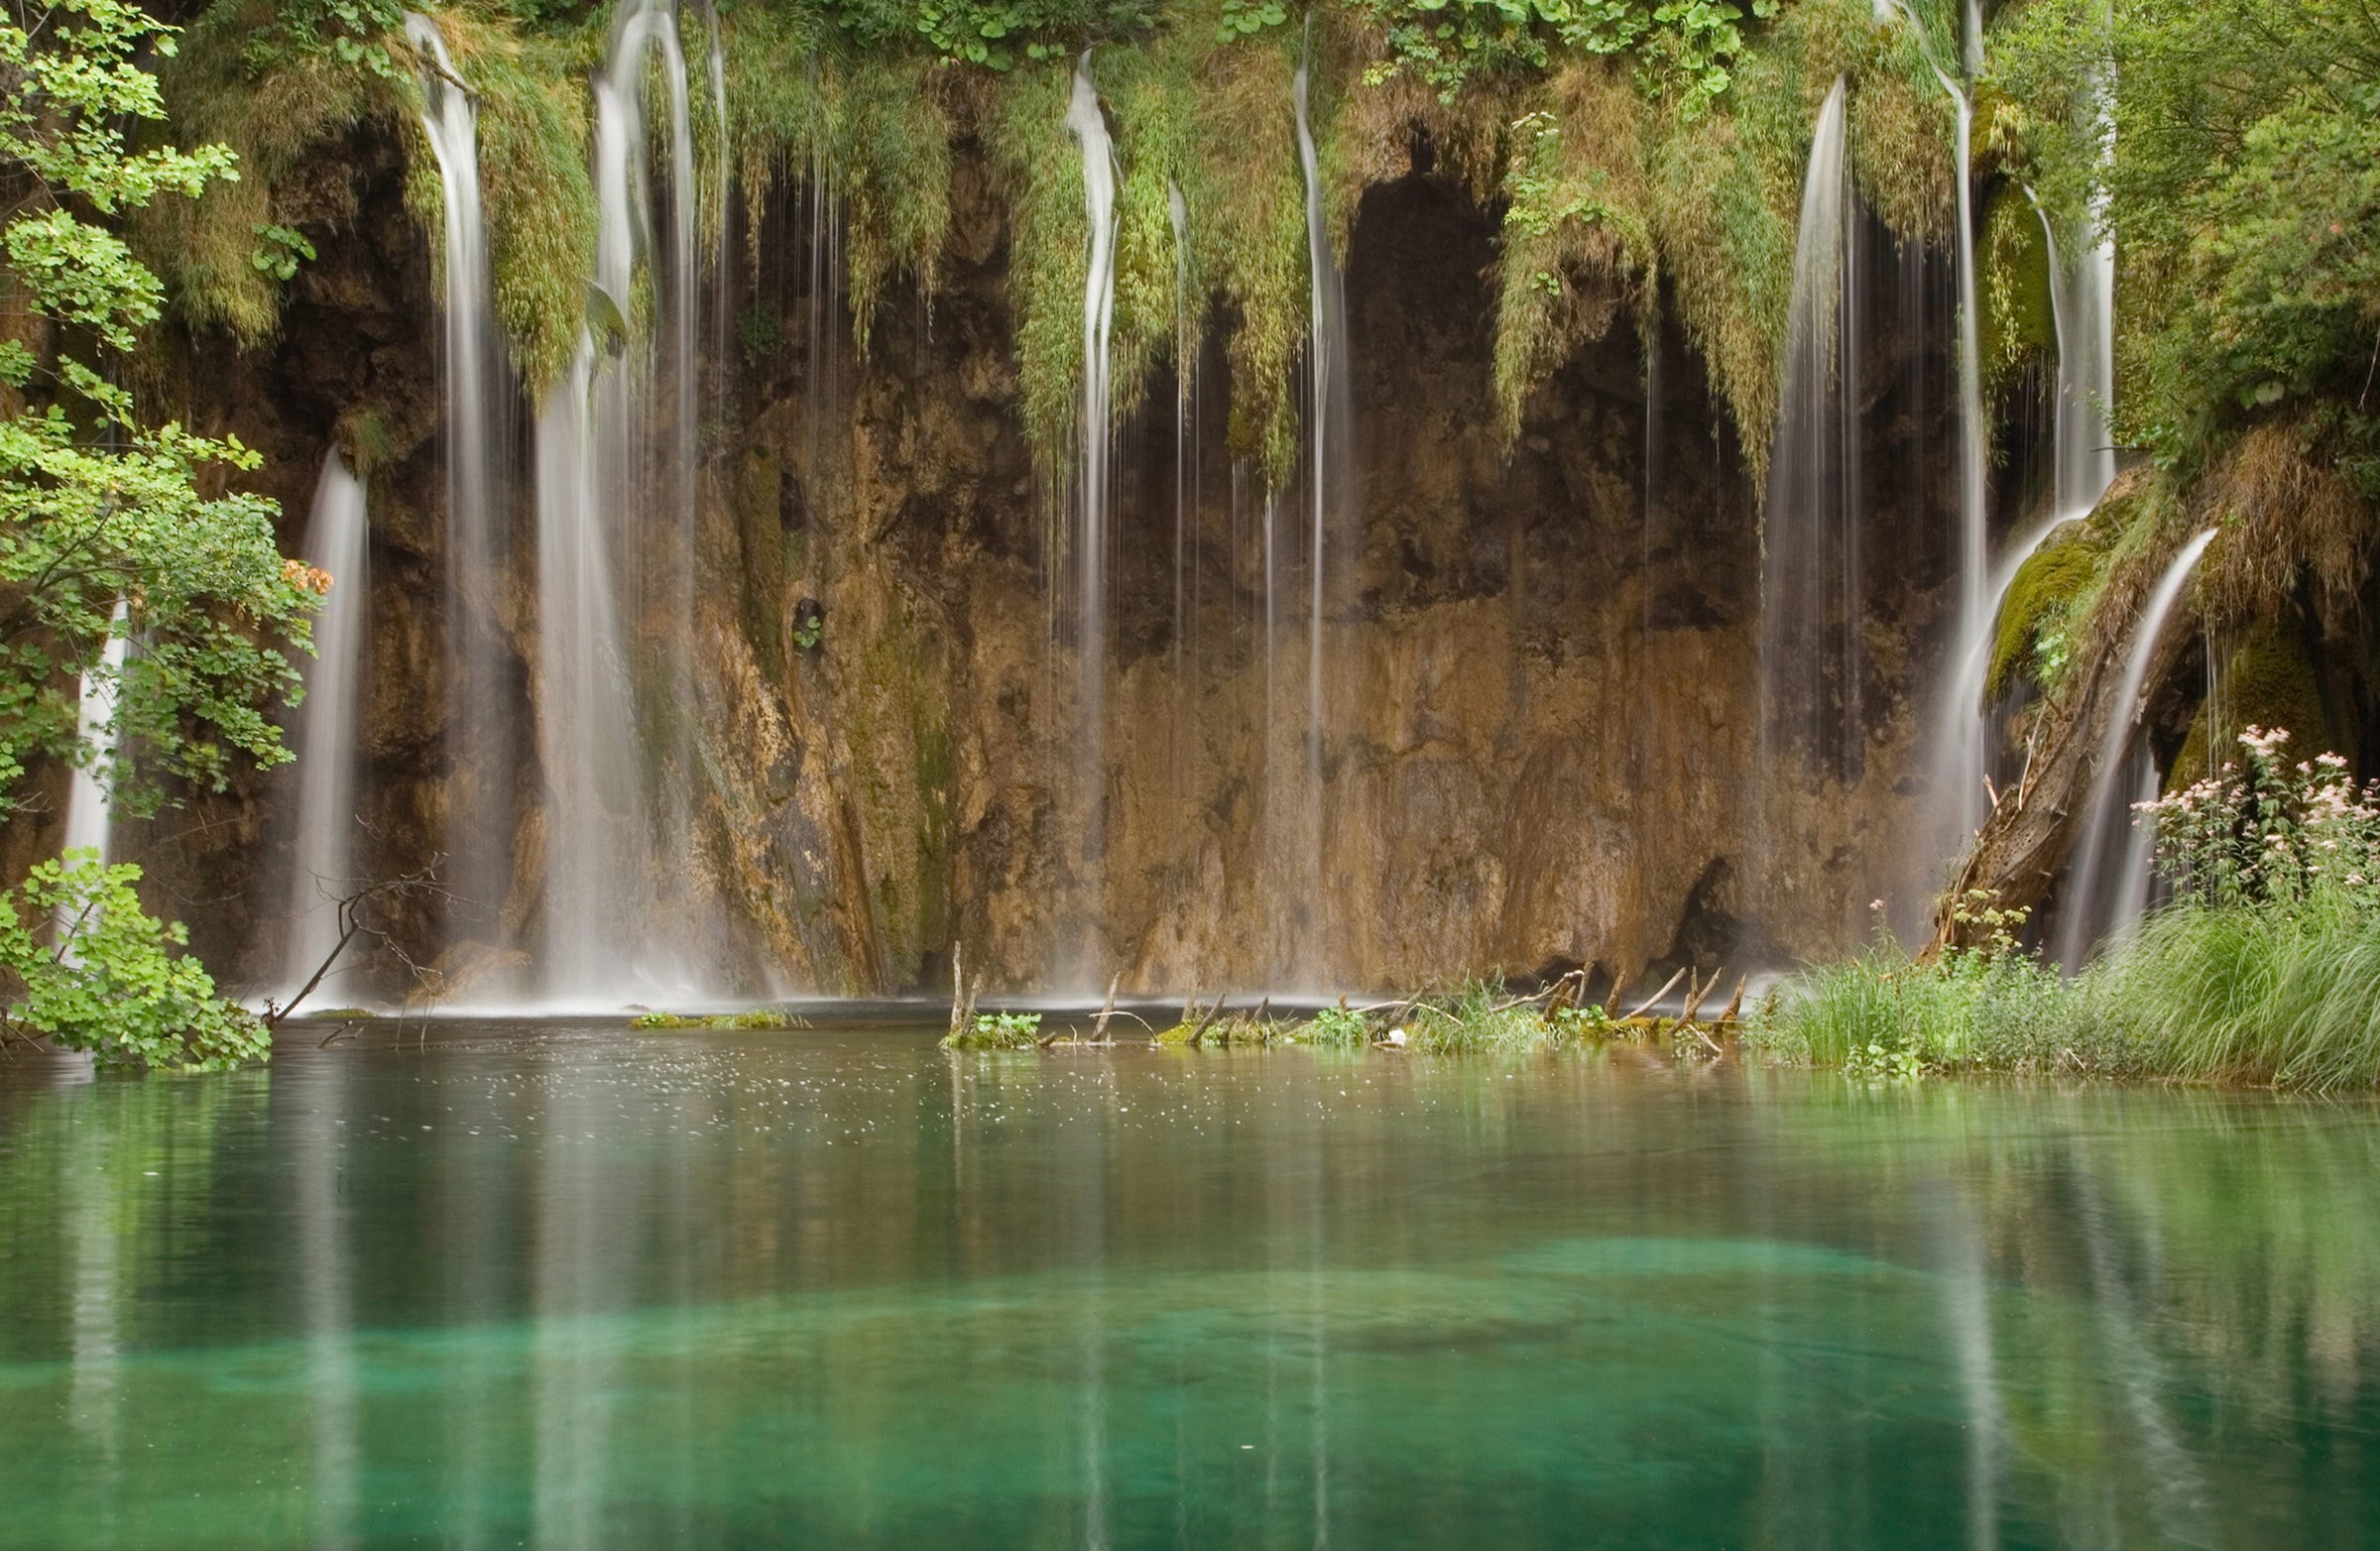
996, 1032
2042, 615
2266, 969
2234, 146
1688, 45
280, 250
1341, 1028
752, 1017
2018, 327
991, 33
110, 981
350, 32
95, 504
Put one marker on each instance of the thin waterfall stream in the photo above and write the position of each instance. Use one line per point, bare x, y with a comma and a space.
479, 716
1810, 667
2084, 916
322, 860
90, 796
1330, 462
1094, 434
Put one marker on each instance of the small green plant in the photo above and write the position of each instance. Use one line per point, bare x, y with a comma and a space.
761, 331
754, 1017
279, 250
808, 630
1878, 1062
996, 1032
1337, 1028
1592, 1021
111, 979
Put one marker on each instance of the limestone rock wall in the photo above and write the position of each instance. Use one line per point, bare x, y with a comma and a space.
1540, 745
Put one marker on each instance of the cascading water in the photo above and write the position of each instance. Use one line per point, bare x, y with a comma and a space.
1811, 526
2082, 309
1093, 435
1185, 461
1958, 751
2084, 916
479, 717
1330, 396
91, 799
322, 851
616, 490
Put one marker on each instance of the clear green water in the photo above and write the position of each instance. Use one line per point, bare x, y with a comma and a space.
578, 1288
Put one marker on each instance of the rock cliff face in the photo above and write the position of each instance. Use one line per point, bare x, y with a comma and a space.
1540, 745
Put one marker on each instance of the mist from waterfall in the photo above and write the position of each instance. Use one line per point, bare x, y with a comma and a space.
322, 862
1811, 710
2093, 905
479, 721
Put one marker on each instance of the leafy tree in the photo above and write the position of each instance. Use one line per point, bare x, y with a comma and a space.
112, 983
98, 504
2234, 150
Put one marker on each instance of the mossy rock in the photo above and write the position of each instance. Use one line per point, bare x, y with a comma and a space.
2269, 681
2018, 325
2040, 609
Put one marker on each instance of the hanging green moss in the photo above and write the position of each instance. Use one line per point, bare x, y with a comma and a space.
2018, 325
1578, 244
874, 131
540, 202
275, 117
2267, 680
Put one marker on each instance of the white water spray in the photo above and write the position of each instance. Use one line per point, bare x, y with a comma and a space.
91, 799
2082, 916
322, 854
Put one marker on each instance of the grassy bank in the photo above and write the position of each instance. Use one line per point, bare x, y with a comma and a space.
2265, 969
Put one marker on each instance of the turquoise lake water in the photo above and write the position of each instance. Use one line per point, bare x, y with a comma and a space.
568, 1285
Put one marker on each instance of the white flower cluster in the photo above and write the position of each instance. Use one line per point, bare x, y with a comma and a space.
2272, 832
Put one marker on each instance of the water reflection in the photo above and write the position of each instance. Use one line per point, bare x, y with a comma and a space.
577, 1290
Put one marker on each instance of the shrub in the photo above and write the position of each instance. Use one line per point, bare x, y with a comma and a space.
110, 982
996, 1032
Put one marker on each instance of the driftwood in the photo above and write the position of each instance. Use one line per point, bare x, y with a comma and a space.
1646, 1005
1734, 1010
1198, 1036
1099, 1030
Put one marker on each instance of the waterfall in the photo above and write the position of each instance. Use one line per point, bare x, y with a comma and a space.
1330, 396
479, 714
1975, 621
616, 509
2082, 310
1810, 525
1093, 430
91, 797
322, 853
2082, 915
1185, 461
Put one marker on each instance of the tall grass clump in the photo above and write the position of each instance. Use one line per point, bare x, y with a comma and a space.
2266, 968
1991, 1007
